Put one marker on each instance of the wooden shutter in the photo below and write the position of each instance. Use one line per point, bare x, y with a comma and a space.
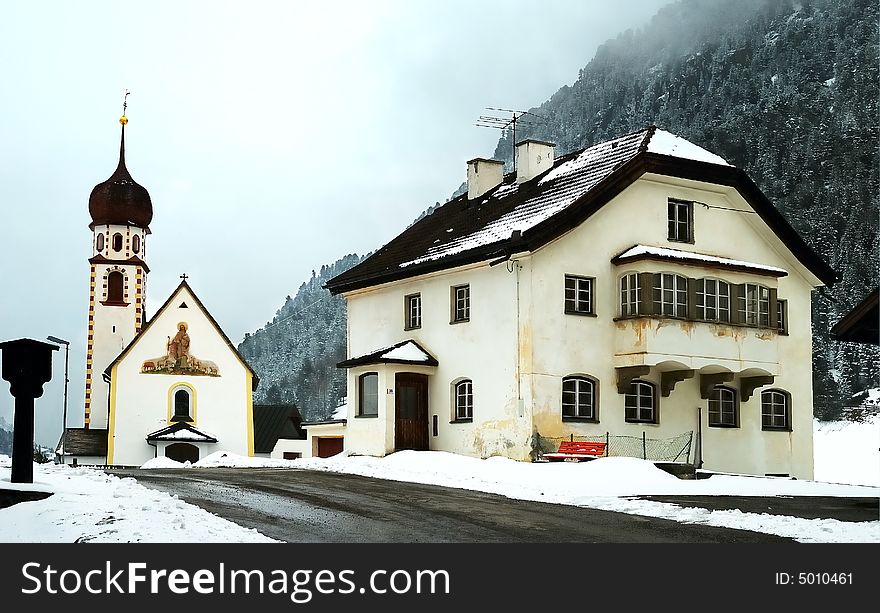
646, 285
737, 292
691, 299
774, 319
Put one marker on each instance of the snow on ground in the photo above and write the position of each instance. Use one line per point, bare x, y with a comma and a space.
847, 452
91, 506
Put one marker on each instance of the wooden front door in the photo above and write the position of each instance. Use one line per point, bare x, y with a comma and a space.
411, 411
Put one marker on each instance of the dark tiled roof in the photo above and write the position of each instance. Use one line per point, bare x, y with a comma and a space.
273, 422
81, 441
862, 324
379, 357
513, 217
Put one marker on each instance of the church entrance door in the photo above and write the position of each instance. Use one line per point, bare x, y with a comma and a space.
411, 411
181, 452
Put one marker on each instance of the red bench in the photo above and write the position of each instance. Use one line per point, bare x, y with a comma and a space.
577, 451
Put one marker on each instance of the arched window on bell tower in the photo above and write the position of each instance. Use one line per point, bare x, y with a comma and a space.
115, 287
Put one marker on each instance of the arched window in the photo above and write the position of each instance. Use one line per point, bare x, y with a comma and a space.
775, 410
723, 409
641, 402
115, 287
117, 242
630, 294
136, 243
182, 405
368, 395
579, 398
670, 295
464, 400
99, 242
713, 300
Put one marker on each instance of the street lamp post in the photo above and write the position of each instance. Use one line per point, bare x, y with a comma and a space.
66, 344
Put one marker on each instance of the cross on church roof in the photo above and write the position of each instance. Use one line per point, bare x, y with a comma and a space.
184, 276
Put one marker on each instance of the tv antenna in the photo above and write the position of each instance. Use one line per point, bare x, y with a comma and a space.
523, 118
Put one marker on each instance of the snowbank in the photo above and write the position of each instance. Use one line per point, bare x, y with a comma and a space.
847, 452
91, 506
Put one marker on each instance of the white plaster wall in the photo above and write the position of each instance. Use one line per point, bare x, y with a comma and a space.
481, 349
113, 330
570, 344
303, 447
142, 400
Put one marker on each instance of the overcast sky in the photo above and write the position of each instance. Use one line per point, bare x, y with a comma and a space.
273, 137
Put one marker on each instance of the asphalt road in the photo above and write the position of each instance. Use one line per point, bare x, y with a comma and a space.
306, 506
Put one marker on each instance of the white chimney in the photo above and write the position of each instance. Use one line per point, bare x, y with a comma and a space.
532, 158
483, 175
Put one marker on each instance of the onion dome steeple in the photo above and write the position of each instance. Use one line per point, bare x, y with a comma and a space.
119, 199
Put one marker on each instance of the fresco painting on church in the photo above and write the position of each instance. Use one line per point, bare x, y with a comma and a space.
178, 360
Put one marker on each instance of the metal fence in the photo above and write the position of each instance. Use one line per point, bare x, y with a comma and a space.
675, 449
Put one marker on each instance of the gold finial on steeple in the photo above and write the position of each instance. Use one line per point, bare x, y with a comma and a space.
124, 120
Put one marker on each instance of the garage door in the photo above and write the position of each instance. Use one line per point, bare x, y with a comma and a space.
329, 446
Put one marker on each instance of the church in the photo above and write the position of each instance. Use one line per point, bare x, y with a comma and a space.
172, 386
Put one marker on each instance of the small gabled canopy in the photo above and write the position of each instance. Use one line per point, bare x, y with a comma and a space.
185, 285
689, 258
404, 352
181, 431
861, 325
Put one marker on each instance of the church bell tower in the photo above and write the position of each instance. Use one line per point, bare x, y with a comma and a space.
121, 212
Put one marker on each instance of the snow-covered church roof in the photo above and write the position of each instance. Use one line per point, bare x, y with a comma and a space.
515, 217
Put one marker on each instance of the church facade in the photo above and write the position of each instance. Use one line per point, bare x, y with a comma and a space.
172, 386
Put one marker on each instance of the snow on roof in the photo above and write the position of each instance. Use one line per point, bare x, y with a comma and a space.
340, 412
690, 256
185, 435
666, 143
409, 351
579, 175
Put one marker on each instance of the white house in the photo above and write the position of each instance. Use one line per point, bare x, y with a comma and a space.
639, 287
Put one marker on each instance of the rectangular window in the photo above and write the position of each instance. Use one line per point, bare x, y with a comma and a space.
292, 455
579, 295
680, 221
782, 316
413, 309
754, 305
630, 295
578, 398
713, 300
461, 303
670, 295
368, 395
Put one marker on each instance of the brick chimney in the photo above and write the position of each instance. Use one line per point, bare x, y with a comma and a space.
483, 175
532, 158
